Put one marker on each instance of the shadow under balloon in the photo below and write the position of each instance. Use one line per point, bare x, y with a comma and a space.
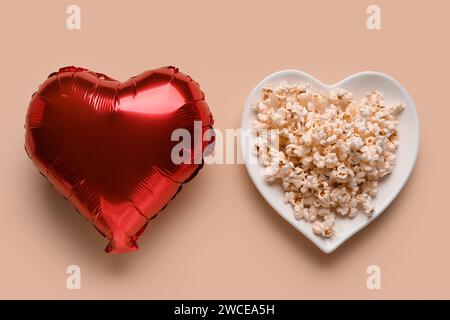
300, 242
79, 235
88, 244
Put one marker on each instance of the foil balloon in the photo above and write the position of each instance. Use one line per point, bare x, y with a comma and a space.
109, 147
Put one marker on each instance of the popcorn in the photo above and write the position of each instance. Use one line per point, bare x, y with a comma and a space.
332, 150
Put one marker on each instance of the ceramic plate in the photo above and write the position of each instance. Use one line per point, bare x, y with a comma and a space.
389, 187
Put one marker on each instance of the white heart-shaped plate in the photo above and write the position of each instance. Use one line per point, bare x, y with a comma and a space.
389, 187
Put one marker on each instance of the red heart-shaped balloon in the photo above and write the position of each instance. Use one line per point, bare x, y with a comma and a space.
107, 146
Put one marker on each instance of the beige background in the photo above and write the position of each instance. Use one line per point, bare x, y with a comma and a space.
219, 238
